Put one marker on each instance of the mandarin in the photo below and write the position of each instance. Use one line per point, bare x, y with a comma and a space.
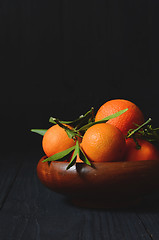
147, 151
56, 140
125, 121
103, 142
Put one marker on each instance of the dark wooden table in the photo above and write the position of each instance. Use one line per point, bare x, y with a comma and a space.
29, 211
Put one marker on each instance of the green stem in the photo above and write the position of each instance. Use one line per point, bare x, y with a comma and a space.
137, 129
137, 144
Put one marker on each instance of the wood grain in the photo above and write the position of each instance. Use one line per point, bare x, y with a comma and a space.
32, 211
9, 168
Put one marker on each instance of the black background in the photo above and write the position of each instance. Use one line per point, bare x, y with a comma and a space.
60, 58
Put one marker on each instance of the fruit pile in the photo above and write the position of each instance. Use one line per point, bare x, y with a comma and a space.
118, 132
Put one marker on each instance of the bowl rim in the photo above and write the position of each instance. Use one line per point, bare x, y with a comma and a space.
105, 163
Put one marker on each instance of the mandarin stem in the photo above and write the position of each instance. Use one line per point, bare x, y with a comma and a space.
137, 129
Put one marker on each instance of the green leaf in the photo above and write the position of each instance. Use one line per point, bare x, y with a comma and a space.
39, 131
81, 154
73, 133
77, 122
60, 155
52, 120
84, 119
73, 159
104, 120
64, 154
145, 131
117, 114
132, 132
83, 157
70, 132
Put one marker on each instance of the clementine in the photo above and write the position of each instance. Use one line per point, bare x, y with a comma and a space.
56, 140
147, 151
125, 121
103, 142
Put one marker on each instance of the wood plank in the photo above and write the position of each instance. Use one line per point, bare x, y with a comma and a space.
31, 206
9, 167
33, 212
149, 215
114, 225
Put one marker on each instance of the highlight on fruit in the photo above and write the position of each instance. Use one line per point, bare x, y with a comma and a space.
117, 132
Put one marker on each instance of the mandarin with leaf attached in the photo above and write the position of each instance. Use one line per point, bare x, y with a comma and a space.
56, 140
127, 120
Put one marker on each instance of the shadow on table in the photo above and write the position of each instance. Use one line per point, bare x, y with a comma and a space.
147, 204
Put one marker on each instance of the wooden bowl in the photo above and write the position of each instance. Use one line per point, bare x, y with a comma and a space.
104, 184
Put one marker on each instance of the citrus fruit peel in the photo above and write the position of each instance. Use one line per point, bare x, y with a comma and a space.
79, 127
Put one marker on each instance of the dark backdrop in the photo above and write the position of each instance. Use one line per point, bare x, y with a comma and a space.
59, 58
